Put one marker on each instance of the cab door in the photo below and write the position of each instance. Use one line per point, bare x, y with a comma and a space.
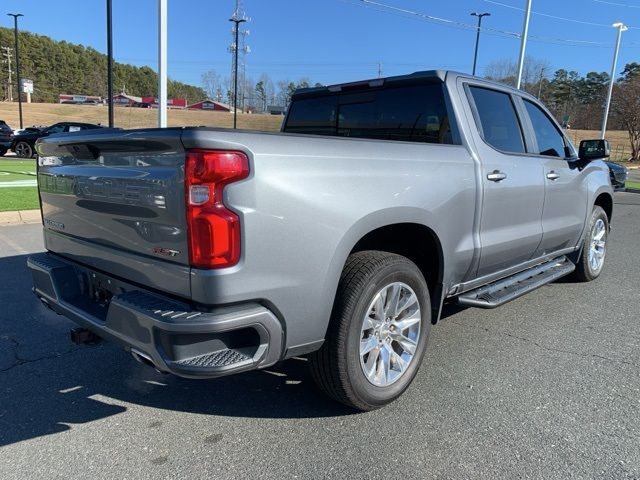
513, 186
566, 192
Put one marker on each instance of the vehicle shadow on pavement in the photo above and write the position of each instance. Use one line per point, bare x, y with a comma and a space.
47, 384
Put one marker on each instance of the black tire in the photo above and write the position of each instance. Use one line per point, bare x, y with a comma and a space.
23, 150
3, 152
584, 271
336, 367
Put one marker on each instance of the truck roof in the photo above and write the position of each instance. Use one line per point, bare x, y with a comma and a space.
425, 75
374, 82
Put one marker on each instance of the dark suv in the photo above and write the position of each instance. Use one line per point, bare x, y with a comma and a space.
23, 143
6, 137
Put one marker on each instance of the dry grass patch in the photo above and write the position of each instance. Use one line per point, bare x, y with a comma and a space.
48, 113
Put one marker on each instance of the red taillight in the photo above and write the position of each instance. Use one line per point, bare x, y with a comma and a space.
213, 229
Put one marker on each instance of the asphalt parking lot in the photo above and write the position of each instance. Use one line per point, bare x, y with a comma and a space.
547, 386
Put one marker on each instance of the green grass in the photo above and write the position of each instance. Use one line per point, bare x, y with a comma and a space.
11, 170
634, 185
19, 198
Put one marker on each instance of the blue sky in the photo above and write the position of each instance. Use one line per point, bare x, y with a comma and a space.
332, 41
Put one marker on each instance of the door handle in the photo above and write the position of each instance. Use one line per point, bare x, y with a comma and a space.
496, 176
553, 175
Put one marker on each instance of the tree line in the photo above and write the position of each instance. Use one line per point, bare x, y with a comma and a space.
59, 67
254, 95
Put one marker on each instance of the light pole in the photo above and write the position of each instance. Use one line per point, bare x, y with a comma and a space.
621, 28
475, 55
523, 42
19, 79
162, 63
110, 62
237, 22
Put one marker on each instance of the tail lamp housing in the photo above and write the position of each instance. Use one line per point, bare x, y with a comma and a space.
213, 230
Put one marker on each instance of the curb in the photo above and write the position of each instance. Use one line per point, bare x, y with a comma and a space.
631, 190
20, 217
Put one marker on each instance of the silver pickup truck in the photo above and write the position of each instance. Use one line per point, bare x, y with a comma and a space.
207, 252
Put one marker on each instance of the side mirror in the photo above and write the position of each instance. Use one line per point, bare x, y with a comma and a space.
594, 150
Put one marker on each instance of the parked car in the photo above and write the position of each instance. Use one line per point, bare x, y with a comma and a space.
6, 137
340, 238
23, 142
618, 174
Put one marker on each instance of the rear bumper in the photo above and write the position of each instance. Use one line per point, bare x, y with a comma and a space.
158, 329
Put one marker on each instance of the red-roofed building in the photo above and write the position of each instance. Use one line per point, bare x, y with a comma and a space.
125, 100
79, 99
171, 102
210, 105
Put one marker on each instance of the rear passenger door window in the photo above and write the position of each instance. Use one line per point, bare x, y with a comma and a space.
550, 141
498, 120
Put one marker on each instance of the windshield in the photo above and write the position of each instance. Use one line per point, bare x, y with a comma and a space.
55, 129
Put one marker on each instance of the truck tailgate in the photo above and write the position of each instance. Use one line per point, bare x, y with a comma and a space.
115, 200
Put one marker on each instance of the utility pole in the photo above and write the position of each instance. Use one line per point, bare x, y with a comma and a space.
237, 21
475, 55
379, 70
621, 28
244, 85
6, 58
523, 43
110, 62
15, 32
238, 51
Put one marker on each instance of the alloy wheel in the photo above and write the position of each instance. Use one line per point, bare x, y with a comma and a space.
390, 333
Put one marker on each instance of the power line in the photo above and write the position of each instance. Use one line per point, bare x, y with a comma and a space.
555, 17
429, 18
617, 4
465, 26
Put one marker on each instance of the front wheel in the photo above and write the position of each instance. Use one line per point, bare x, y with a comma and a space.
23, 150
594, 247
378, 331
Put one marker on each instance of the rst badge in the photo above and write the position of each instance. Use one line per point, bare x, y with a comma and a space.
167, 252
53, 224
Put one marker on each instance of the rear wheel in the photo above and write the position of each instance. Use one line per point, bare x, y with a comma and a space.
23, 150
594, 247
378, 331
3, 152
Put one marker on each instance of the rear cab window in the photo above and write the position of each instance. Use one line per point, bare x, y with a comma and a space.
411, 113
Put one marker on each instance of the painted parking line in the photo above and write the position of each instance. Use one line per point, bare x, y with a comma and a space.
19, 183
